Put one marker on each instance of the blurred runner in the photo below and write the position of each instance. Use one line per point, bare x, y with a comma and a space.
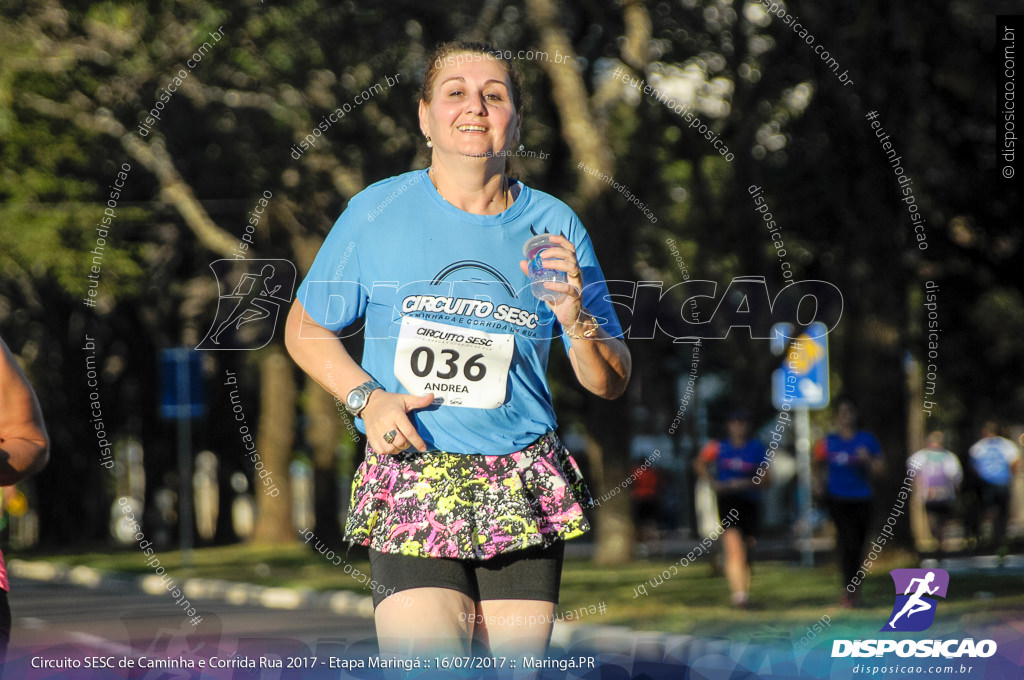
645, 502
845, 462
937, 482
729, 466
996, 460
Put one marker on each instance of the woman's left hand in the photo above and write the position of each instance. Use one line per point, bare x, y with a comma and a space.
562, 257
602, 368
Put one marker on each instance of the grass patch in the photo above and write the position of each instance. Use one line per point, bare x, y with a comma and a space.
785, 599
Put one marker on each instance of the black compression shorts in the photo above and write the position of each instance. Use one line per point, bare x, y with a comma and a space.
749, 511
531, 574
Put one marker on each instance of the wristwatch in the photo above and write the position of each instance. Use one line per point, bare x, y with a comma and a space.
589, 323
355, 402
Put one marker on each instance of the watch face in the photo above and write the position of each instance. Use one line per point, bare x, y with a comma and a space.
354, 400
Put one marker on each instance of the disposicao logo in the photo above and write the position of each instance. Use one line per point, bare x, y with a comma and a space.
914, 611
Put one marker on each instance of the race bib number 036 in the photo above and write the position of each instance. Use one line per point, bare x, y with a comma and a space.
461, 366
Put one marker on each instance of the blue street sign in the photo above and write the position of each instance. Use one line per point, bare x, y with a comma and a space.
181, 384
802, 380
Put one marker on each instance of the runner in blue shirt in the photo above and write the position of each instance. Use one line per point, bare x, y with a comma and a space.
466, 495
845, 462
730, 465
995, 461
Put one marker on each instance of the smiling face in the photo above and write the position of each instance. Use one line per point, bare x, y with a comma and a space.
471, 111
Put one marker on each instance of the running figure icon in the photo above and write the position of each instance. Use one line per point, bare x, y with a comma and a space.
251, 304
916, 593
915, 604
257, 295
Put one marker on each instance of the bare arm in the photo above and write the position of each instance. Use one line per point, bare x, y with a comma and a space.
874, 464
878, 465
24, 444
319, 352
602, 364
701, 468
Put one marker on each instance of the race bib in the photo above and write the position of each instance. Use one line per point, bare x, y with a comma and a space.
461, 366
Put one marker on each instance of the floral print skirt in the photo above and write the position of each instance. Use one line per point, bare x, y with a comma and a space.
467, 506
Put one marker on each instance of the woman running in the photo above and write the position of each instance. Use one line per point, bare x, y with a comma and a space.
466, 495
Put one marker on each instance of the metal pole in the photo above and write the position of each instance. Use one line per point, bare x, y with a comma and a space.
184, 457
803, 461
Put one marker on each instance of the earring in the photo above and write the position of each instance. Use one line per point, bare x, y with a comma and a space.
522, 147
430, 144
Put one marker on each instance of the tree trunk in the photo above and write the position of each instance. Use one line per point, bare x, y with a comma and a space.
322, 432
274, 443
608, 450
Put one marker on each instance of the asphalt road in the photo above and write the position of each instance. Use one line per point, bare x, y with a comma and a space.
56, 621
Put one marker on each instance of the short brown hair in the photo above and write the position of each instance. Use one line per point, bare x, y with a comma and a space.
444, 52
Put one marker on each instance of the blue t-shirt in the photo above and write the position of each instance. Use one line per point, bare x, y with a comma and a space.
992, 458
447, 309
735, 462
848, 478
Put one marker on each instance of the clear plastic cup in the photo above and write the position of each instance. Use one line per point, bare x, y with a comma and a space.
539, 274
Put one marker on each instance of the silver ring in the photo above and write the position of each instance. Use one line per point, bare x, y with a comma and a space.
390, 436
